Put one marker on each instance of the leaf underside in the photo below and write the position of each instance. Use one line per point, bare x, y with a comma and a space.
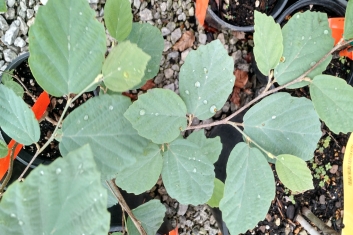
348, 23
206, 79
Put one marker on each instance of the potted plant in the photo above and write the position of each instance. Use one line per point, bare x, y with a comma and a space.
221, 20
131, 144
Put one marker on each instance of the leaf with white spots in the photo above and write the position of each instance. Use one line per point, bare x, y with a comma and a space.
67, 46
307, 38
65, 197
17, 120
210, 147
294, 173
118, 18
158, 115
206, 79
249, 184
332, 98
282, 124
187, 172
100, 122
124, 67
150, 214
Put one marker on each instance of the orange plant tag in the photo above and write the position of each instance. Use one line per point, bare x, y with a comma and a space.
39, 109
201, 7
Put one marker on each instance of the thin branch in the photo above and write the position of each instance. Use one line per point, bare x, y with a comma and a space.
23, 85
306, 225
52, 137
340, 45
9, 172
115, 190
319, 224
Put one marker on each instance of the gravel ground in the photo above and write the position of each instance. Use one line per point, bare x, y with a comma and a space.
173, 18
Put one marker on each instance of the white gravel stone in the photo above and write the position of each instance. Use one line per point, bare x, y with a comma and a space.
30, 13
163, 6
137, 4
11, 3
176, 34
167, 45
184, 54
10, 14
191, 11
19, 42
146, 15
9, 55
92, 1
202, 38
23, 26
3, 24
23, 6
165, 31
182, 17
221, 38
173, 55
45, 1
182, 209
171, 26
168, 73
11, 33
170, 86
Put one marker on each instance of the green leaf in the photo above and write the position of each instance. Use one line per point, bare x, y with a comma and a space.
16, 119
217, 195
348, 22
100, 122
150, 215
250, 184
3, 149
118, 18
332, 98
159, 115
307, 38
283, 124
144, 174
3, 7
124, 67
294, 173
65, 197
67, 46
117, 233
111, 200
206, 79
150, 40
7, 80
210, 147
268, 41
187, 172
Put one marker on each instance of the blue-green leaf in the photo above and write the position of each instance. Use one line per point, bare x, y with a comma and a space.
17, 120
65, 197
67, 46
249, 184
158, 115
118, 18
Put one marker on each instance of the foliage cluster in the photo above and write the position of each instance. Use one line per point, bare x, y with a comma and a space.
108, 137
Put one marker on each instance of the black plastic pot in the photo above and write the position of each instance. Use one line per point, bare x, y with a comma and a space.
214, 21
332, 8
229, 138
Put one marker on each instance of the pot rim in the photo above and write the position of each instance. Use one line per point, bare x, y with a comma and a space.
217, 22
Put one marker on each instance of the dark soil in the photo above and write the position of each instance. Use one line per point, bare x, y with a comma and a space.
241, 12
54, 111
